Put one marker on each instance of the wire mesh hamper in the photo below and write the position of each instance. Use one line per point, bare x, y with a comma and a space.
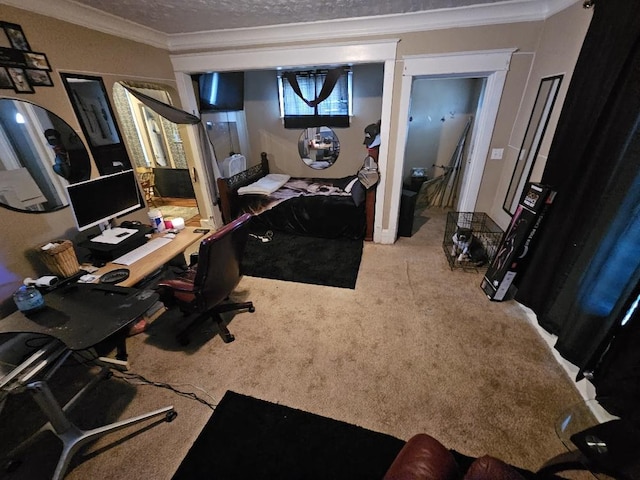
61, 258
483, 228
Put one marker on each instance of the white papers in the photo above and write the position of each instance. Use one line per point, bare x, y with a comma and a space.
113, 236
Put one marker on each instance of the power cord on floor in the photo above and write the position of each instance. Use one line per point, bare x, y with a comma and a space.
88, 358
131, 377
267, 237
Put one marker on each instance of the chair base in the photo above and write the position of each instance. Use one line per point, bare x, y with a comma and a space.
72, 437
227, 336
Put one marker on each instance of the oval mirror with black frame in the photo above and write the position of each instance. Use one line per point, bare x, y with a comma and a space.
40, 155
528, 154
93, 109
318, 147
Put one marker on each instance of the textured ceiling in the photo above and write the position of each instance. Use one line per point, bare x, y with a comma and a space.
187, 16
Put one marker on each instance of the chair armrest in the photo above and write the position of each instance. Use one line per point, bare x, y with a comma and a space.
178, 285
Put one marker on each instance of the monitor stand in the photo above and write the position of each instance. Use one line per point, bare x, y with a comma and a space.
102, 252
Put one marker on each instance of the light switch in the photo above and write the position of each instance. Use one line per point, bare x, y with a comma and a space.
496, 153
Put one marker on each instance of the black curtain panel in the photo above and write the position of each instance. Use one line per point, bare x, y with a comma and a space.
581, 276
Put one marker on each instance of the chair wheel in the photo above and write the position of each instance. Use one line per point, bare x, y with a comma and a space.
228, 338
171, 416
252, 309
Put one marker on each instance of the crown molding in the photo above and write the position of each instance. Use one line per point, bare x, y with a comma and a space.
93, 19
513, 11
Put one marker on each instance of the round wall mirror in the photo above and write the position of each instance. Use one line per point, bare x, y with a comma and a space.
40, 155
319, 147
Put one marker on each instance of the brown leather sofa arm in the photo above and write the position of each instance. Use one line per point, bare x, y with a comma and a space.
423, 458
487, 467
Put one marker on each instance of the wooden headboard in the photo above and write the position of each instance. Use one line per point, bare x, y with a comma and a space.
228, 187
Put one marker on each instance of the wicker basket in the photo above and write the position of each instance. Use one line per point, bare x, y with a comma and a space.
60, 259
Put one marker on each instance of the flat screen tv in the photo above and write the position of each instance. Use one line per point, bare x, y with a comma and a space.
99, 200
221, 91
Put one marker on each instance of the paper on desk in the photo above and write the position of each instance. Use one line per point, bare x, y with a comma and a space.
111, 237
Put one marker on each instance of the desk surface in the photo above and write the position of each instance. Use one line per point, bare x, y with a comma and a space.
82, 315
150, 263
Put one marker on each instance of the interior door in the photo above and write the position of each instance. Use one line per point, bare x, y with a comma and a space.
227, 132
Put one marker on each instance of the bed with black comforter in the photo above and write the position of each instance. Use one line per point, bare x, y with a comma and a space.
319, 207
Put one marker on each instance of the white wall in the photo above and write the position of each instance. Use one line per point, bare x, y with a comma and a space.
439, 112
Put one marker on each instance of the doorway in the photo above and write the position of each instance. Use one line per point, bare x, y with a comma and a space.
489, 66
227, 132
158, 154
440, 120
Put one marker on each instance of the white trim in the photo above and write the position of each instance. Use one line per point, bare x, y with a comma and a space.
492, 65
476, 15
285, 57
583, 386
481, 141
383, 152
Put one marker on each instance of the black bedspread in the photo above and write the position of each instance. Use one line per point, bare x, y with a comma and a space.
318, 216
314, 207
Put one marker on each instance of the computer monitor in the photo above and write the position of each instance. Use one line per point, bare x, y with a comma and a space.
99, 200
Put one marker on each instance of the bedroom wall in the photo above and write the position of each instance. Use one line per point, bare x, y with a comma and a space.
556, 53
556, 40
267, 133
69, 48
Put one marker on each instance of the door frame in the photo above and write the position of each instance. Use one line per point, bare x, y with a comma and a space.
489, 64
375, 51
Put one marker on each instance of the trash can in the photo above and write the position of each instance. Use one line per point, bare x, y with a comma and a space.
407, 211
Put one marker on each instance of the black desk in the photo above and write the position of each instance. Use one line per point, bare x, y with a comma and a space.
80, 316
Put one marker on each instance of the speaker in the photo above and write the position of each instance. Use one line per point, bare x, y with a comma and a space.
407, 211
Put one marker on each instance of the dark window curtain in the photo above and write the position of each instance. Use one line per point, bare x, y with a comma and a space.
581, 275
316, 98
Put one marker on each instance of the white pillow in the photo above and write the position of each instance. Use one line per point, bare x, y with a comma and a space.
350, 185
266, 185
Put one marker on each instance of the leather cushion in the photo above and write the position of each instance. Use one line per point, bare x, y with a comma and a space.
487, 467
423, 457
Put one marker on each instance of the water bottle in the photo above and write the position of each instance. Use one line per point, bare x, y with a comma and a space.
28, 299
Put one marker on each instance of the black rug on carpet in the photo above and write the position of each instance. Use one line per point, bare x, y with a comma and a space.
247, 438
332, 262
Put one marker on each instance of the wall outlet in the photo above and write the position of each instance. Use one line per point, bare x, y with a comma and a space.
497, 153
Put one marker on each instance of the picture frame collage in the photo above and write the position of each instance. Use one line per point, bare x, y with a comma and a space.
21, 69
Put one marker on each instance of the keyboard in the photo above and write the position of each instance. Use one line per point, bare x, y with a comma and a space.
142, 251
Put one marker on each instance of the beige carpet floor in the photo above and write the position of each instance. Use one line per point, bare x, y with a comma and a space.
416, 347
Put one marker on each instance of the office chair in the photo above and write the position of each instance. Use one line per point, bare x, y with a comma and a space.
201, 291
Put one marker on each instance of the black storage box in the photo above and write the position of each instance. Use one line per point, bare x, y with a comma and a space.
518, 242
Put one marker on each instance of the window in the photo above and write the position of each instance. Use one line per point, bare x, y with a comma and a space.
332, 111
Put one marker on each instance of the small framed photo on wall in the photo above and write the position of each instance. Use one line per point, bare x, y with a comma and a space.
39, 78
5, 79
20, 81
16, 36
37, 60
